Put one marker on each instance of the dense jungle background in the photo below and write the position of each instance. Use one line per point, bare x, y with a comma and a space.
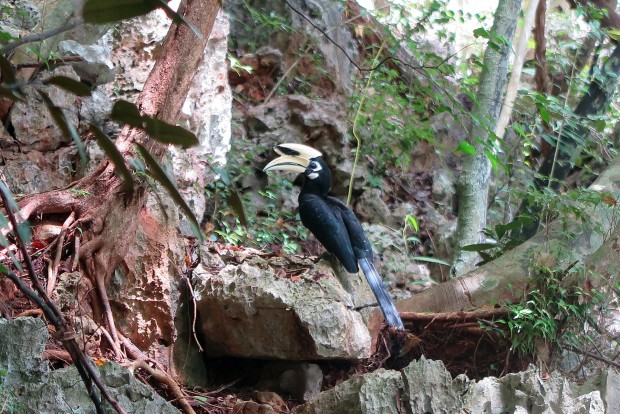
149, 264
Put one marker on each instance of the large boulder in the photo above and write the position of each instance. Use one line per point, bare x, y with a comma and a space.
252, 310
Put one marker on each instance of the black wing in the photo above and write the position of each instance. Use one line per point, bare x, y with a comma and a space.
359, 242
327, 224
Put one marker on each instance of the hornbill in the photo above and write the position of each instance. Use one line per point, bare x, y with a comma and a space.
331, 221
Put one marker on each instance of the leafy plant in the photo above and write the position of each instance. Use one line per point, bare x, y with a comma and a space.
552, 314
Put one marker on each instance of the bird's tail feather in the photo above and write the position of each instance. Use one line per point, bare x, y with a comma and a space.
385, 301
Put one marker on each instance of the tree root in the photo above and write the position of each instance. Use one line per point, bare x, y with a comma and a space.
164, 378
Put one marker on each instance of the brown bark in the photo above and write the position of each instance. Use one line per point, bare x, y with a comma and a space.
108, 215
542, 76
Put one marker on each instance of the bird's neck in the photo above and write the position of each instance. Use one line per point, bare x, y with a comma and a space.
319, 186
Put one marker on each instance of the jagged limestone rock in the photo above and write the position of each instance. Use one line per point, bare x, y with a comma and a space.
250, 311
21, 342
425, 386
376, 392
430, 388
29, 387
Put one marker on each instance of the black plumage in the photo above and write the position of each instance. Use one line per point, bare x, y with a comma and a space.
331, 221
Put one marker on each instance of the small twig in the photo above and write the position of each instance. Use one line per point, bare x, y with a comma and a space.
30, 312
75, 262
164, 378
51, 62
57, 354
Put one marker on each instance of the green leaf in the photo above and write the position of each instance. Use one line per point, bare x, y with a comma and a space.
110, 11
76, 87
478, 247
411, 221
23, 228
494, 159
159, 175
7, 70
115, 155
236, 204
10, 94
481, 32
544, 115
465, 148
127, 113
65, 126
430, 260
168, 133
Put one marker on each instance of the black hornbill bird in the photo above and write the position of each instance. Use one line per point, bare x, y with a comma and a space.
331, 221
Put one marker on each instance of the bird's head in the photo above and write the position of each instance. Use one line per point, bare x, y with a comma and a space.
302, 159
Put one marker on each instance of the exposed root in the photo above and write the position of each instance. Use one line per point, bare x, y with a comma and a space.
53, 270
162, 377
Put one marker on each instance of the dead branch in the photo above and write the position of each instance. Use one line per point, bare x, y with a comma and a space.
454, 317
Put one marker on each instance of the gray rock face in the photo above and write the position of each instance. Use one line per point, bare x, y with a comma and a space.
376, 392
329, 15
251, 312
426, 387
21, 343
29, 387
32, 121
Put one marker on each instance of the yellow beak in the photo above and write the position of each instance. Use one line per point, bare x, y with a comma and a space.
293, 157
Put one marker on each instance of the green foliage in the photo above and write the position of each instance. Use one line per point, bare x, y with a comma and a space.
268, 226
8, 405
502, 240
553, 314
394, 115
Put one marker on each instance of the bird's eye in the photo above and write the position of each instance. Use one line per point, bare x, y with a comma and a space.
313, 165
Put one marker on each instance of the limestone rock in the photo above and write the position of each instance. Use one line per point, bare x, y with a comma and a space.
430, 388
19, 357
301, 380
97, 68
252, 312
376, 392
32, 121
29, 387
426, 387
206, 112
393, 261
35, 172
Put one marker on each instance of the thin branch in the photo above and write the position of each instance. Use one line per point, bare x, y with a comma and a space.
591, 355
39, 36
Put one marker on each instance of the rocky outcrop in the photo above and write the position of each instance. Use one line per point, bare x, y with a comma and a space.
425, 386
29, 387
256, 310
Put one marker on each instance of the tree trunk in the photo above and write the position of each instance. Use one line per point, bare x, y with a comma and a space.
517, 67
108, 215
473, 184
